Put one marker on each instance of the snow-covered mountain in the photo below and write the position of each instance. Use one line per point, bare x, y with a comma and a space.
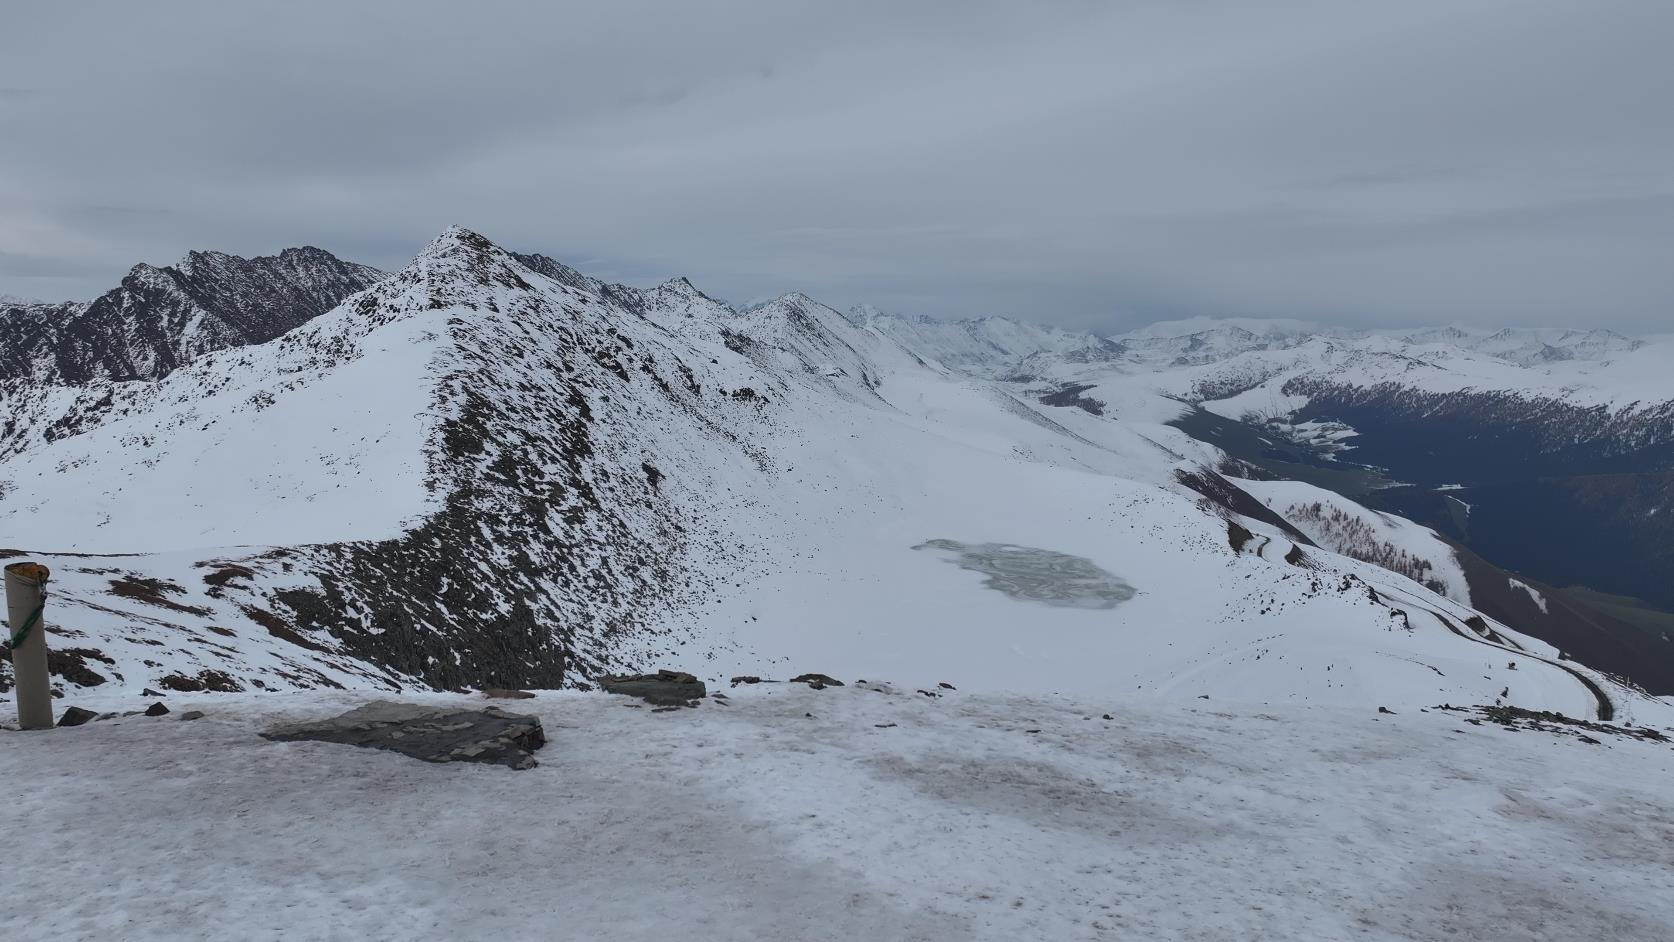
161, 318
1545, 426
988, 346
488, 469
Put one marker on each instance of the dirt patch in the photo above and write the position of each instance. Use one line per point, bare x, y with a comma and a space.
211, 680
277, 627
224, 573
153, 592
1237, 536
71, 665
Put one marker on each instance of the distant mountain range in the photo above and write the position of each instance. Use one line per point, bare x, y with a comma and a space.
488, 468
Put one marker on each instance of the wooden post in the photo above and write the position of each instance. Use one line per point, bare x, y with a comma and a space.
25, 594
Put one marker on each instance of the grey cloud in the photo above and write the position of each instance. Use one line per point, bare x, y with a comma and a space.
1085, 164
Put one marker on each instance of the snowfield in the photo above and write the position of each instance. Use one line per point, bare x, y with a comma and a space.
840, 814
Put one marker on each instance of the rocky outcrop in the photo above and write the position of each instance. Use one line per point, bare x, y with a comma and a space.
665, 688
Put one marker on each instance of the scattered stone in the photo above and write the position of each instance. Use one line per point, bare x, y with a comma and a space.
817, 681
1589, 740
1108, 716
809, 715
663, 687
148, 692
502, 693
719, 696
884, 725
157, 709
1516, 718
192, 715
746, 679
929, 693
488, 735
664, 709
1383, 709
1203, 696
947, 686
1031, 731
75, 716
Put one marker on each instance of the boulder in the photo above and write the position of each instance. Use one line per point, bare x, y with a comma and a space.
157, 709
192, 715
817, 681
75, 716
663, 687
429, 733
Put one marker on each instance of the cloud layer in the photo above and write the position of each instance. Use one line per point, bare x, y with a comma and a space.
1090, 164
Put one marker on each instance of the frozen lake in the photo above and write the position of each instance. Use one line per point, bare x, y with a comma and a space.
1030, 574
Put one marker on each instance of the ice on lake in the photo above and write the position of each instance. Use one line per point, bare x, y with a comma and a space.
1036, 575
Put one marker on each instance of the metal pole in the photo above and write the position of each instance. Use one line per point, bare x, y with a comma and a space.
25, 593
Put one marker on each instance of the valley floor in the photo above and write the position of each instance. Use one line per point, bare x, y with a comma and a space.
845, 813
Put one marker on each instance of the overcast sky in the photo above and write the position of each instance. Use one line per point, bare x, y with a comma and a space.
1083, 163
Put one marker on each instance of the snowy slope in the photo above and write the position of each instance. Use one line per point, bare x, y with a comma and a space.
1384, 540
487, 469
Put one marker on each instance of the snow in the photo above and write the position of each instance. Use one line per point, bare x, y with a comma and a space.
1539, 599
242, 447
1258, 404
1290, 498
801, 814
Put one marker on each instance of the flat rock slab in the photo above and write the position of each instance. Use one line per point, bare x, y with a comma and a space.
433, 734
664, 688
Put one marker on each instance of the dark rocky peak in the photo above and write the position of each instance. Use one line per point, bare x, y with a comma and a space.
160, 318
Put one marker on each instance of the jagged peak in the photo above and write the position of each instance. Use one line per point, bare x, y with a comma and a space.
458, 240
794, 299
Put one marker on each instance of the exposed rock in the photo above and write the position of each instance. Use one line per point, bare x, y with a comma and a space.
192, 715
157, 709
817, 681
663, 687
947, 686
217, 681
488, 735
504, 693
746, 679
71, 665
148, 692
75, 716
